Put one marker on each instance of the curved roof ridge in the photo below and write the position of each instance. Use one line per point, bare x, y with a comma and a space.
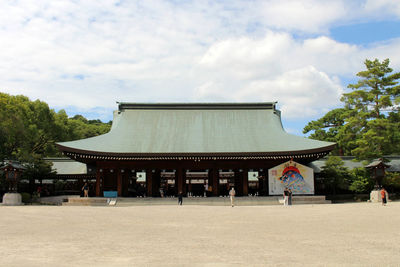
200, 106
197, 130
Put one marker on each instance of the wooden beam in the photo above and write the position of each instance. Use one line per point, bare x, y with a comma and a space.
180, 180
119, 182
238, 180
215, 181
98, 181
149, 183
156, 177
245, 182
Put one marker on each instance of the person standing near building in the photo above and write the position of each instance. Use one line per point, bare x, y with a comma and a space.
383, 196
232, 194
286, 197
290, 197
180, 198
85, 190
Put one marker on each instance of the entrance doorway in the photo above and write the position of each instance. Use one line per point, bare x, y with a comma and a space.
137, 184
226, 182
167, 186
197, 184
110, 180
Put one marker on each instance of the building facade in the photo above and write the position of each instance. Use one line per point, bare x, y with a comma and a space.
193, 148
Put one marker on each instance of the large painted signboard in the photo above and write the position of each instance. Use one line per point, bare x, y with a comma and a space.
297, 177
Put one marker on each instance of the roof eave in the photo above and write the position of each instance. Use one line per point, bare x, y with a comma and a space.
196, 154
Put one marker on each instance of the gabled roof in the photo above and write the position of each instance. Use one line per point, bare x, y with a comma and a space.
12, 164
351, 163
67, 166
377, 163
196, 129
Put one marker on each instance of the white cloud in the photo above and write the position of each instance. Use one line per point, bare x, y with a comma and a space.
305, 15
382, 8
301, 93
87, 55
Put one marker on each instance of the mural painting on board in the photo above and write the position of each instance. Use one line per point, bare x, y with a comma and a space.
293, 175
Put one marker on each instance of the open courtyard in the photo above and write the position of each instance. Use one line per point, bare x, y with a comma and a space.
356, 234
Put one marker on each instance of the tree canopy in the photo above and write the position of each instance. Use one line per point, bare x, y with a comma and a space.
368, 126
30, 129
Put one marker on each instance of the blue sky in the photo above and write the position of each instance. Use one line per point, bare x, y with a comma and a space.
83, 56
366, 33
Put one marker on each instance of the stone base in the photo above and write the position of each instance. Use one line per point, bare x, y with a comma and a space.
12, 199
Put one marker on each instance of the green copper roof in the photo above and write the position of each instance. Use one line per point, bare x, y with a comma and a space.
196, 129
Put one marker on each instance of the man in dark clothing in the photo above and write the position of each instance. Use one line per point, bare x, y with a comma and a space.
180, 197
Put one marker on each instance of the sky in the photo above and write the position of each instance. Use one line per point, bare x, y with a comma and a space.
84, 56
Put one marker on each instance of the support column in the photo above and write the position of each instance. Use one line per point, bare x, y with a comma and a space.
214, 175
156, 177
263, 182
180, 176
119, 182
238, 178
245, 182
98, 181
125, 183
266, 182
80, 183
149, 183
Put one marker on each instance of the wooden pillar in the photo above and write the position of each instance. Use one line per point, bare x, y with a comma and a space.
263, 183
80, 182
266, 183
156, 177
119, 182
184, 182
180, 177
149, 183
238, 178
125, 183
214, 181
245, 182
98, 181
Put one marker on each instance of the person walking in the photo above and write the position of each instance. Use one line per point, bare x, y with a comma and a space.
290, 197
232, 194
85, 190
286, 197
180, 198
384, 196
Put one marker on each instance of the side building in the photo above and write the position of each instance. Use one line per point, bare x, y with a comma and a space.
194, 148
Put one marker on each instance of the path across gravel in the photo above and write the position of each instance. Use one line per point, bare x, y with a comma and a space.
357, 234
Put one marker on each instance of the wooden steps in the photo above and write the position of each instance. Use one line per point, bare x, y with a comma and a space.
208, 201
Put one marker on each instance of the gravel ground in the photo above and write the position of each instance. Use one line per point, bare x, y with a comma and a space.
356, 234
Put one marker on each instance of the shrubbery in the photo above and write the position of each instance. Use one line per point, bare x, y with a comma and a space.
358, 180
26, 198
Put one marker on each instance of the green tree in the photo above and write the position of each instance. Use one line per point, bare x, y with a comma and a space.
361, 181
373, 98
368, 126
30, 129
392, 181
335, 175
25, 127
327, 128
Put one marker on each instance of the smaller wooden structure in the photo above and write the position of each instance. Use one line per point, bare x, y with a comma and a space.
13, 171
378, 171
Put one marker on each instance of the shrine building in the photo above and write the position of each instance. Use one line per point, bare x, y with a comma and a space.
201, 149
